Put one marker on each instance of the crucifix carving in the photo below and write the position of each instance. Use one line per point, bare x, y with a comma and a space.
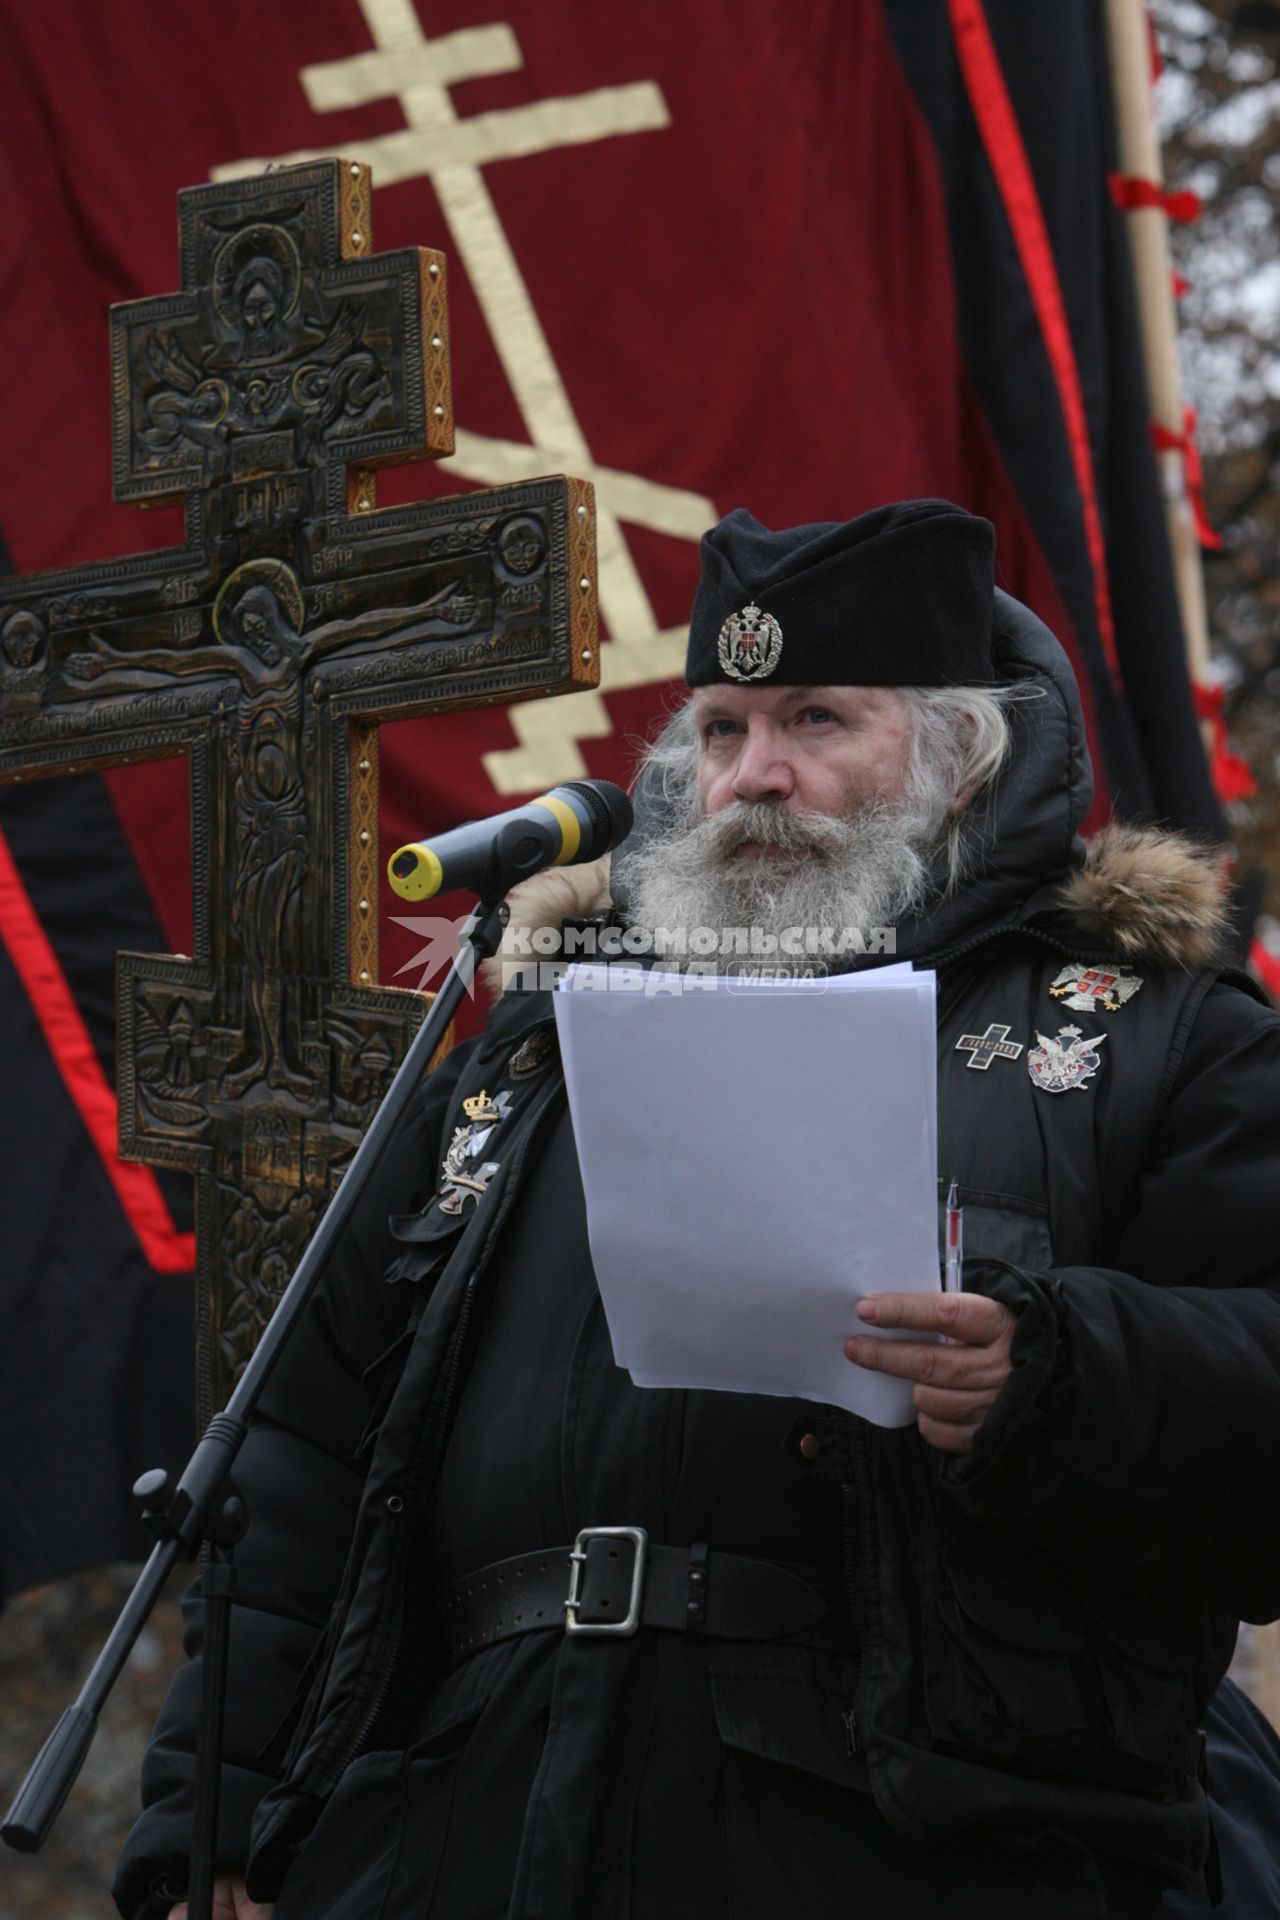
268, 647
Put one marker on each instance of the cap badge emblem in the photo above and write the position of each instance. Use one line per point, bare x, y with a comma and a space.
1057, 1065
750, 644
1090, 988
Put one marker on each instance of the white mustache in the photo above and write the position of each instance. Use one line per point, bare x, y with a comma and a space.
765, 825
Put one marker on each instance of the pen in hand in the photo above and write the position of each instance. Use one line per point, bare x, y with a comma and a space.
952, 1279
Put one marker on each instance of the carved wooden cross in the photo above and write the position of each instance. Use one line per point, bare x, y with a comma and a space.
268, 647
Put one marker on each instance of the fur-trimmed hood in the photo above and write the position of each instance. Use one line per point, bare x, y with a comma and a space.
1150, 896
1134, 894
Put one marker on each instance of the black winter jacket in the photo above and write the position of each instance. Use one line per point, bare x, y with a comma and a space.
1041, 1624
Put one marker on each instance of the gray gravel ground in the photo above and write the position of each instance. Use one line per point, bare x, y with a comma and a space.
48, 1640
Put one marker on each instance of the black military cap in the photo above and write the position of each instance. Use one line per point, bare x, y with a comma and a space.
900, 597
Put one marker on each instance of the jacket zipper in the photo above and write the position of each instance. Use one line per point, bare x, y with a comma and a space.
854, 1523
855, 1495
440, 1427
383, 1687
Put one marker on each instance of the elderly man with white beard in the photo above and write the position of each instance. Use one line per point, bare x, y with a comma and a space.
960, 1668
811, 818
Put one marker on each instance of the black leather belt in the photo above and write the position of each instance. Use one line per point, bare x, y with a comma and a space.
611, 1581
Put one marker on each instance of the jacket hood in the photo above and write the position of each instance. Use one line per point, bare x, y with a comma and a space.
1021, 835
1132, 893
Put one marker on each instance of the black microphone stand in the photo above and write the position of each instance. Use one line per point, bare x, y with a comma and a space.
205, 1507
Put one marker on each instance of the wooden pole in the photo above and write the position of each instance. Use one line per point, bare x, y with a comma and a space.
1257, 1665
1138, 149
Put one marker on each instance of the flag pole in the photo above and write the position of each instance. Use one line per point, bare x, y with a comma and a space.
1138, 149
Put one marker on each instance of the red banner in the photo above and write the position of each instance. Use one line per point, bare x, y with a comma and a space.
674, 270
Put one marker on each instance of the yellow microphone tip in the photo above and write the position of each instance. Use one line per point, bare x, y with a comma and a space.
415, 873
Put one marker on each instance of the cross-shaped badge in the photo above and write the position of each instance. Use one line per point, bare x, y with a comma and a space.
467, 1186
983, 1048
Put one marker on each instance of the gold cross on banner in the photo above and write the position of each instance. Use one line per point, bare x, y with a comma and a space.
268, 648
440, 142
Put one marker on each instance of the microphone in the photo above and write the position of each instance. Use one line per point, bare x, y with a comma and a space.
576, 822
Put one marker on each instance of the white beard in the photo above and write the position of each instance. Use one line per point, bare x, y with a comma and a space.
859, 874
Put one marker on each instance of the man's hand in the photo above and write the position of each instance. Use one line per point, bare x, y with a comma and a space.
955, 1384
230, 1902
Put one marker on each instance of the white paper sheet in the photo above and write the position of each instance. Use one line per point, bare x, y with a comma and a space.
756, 1157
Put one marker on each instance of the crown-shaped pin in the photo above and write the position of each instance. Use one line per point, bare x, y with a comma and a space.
478, 1107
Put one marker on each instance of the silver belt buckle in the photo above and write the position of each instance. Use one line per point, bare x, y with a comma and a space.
640, 1543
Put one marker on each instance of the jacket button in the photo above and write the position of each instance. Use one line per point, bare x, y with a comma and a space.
810, 1446
394, 1503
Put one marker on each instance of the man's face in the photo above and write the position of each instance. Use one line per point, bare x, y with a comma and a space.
817, 749
792, 807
